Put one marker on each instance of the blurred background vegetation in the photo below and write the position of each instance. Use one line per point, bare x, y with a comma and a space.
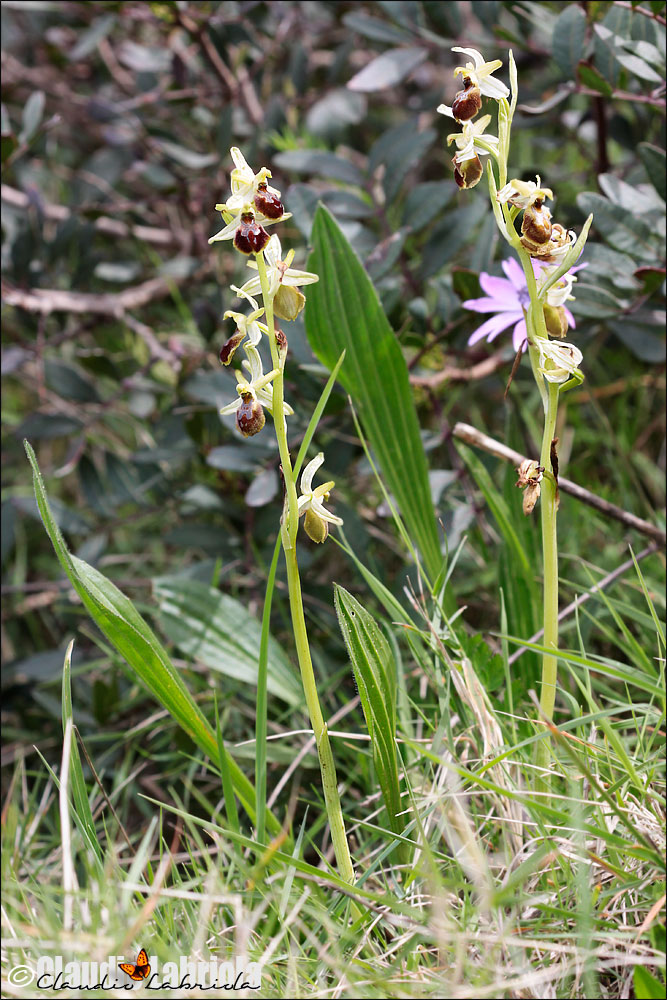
117, 120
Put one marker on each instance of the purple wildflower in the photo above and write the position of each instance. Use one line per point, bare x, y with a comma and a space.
507, 298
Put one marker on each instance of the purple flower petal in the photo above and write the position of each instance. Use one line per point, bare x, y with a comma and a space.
520, 336
492, 327
492, 305
498, 288
570, 317
514, 272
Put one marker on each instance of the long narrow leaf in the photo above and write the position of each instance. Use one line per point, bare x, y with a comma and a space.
344, 313
375, 673
121, 623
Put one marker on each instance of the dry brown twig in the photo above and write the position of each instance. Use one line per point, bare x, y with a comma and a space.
109, 227
450, 373
470, 435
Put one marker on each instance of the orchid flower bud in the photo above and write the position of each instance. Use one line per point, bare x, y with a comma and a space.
467, 102
536, 224
468, 172
250, 417
268, 203
250, 237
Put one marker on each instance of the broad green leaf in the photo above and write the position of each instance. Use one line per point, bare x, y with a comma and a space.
375, 673
344, 314
33, 113
189, 158
216, 630
123, 626
374, 28
653, 159
646, 343
334, 112
589, 76
398, 150
617, 22
593, 300
629, 60
69, 381
622, 230
647, 987
387, 70
319, 161
568, 39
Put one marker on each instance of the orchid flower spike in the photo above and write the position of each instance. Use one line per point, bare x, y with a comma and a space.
318, 518
254, 393
284, 281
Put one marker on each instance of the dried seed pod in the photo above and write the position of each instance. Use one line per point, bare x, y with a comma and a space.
468, 173
530, 497
530, 477
467, 102
556, 320
268, 203
250, 237
250, 416
536, 224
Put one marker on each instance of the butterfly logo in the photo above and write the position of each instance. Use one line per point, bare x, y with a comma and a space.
139, 971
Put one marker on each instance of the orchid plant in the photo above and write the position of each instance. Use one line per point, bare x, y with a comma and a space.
531, 298
252, 206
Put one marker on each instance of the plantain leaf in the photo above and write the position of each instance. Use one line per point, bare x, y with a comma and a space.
375, 673
118, 619
216, 630
344, 313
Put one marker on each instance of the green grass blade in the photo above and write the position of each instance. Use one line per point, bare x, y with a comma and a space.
77, 781
375, 673
123, 626
317, 413
262, 707
344, 313
227, 783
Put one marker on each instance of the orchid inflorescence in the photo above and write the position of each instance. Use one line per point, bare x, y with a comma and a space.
532, 298
252, 206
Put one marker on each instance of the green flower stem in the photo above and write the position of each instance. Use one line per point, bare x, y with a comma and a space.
548, 509
290, 524
549, 392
